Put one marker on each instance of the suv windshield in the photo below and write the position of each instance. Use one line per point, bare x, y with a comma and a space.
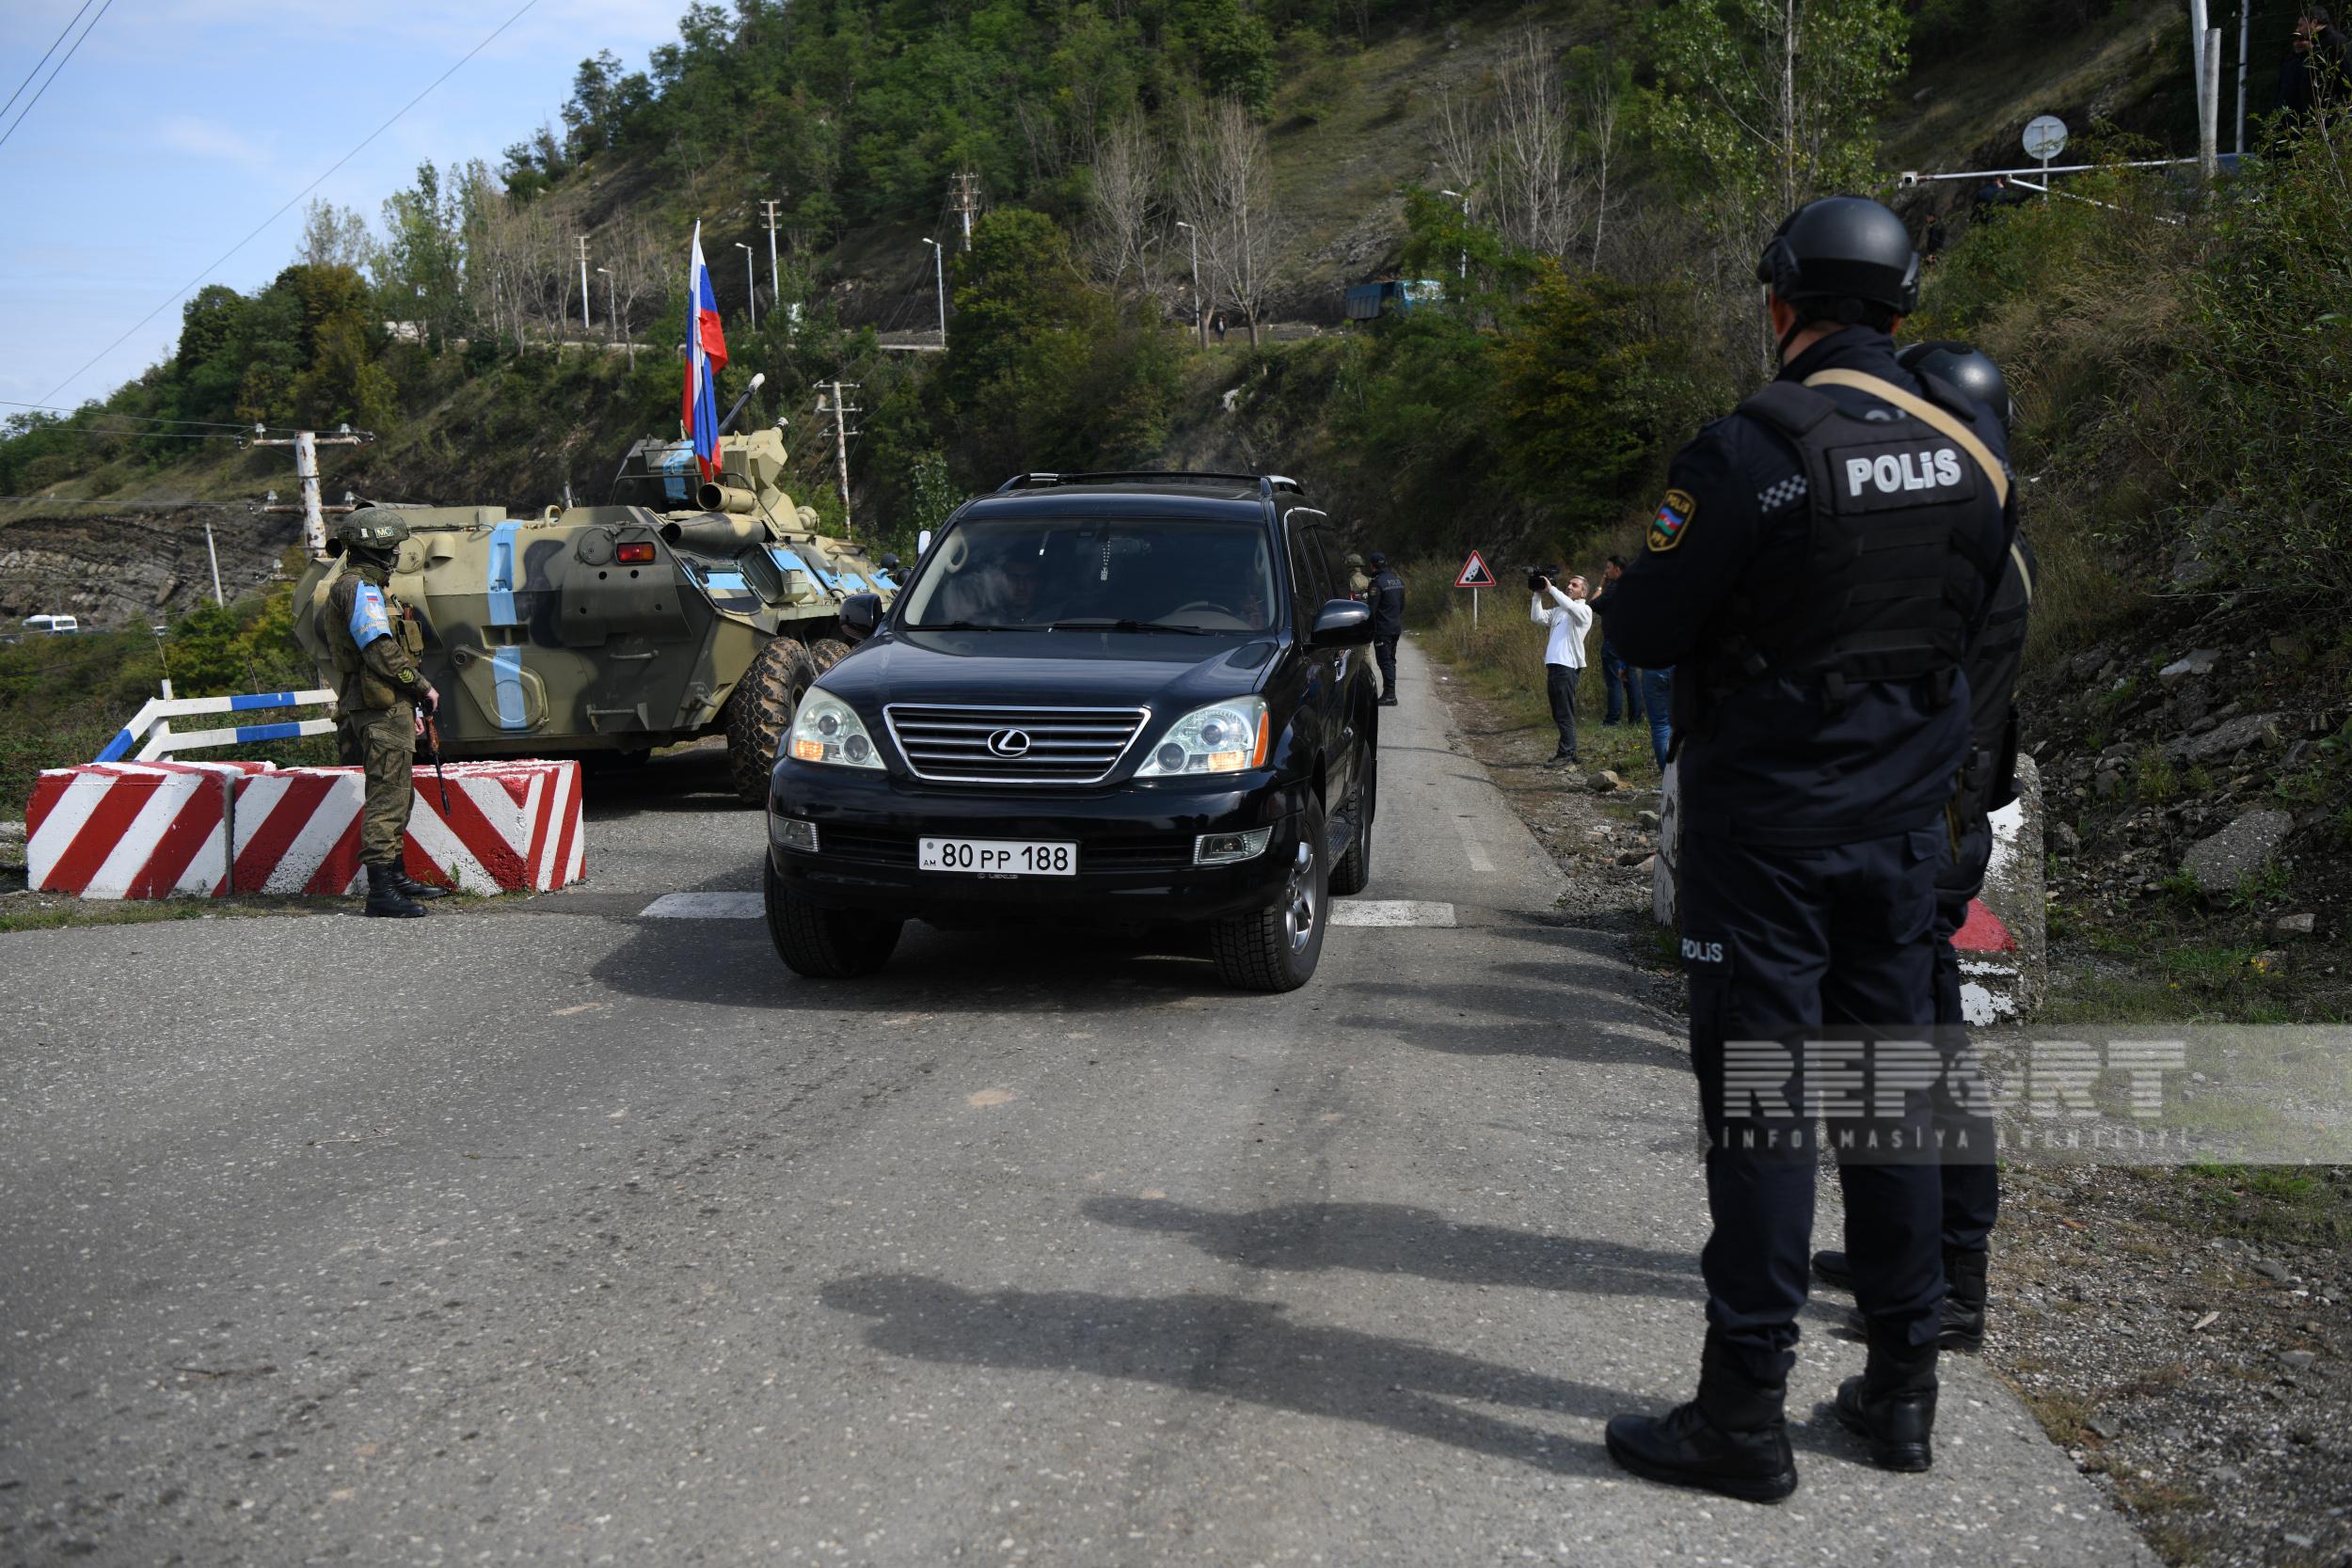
1128, 574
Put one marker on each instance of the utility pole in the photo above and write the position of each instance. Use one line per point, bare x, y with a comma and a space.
776, 283
1199, 327
2245, 27
751, 282
612, 312
967, 202
306, 444
1462, 270
841, 434
584, 327
939, 274
213, 556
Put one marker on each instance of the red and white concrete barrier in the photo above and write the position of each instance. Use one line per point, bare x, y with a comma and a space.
2003, 947
147, 831
131, 830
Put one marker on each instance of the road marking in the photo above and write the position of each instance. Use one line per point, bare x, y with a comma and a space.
1478, 860
702, 906
1391, 911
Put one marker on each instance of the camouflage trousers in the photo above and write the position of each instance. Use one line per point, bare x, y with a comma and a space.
382, 743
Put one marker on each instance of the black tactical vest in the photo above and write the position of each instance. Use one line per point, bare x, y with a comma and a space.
1891, 572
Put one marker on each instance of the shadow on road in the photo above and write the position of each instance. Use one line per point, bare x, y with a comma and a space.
692, 779
1232, 1349
1388, 1238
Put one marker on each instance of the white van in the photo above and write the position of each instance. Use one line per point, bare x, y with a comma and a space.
53, 625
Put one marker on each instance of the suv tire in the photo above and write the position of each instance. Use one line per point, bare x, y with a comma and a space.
760, 712
819, 944
1354, 869
1275, 948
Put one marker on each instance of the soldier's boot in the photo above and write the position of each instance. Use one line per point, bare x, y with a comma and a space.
412, 888
1892, 1405
1962, 1314
1732, 1439
384, 899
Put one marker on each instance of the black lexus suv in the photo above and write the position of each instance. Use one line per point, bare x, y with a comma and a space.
1110, 698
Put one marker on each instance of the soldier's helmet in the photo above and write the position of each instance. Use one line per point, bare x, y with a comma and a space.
1355, 558
1968, 368
1842, 250
369, 531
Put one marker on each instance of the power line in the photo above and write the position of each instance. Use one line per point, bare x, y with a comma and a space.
45, 59
59, 72
291, 200
100, 411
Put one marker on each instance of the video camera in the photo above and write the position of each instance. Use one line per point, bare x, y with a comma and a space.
1538, 576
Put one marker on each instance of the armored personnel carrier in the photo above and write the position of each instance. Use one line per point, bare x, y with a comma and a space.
684, 608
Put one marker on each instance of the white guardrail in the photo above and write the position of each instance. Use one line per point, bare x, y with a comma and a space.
151, 733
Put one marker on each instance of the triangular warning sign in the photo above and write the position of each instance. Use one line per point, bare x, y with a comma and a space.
1474, 572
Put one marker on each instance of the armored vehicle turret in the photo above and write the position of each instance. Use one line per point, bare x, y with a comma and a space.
684, 608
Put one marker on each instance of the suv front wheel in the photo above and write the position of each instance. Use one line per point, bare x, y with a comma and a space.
819, 944
1275, 948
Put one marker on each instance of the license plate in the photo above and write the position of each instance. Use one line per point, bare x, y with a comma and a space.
998, 856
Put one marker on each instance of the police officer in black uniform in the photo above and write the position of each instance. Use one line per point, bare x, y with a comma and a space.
1387, 623
1964, 1125
1819, 567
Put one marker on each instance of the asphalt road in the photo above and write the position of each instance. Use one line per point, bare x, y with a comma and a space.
547, 1232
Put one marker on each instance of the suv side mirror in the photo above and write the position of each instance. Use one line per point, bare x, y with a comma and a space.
1343, 623
860, 615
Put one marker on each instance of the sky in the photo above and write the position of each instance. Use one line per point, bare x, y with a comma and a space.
183, 124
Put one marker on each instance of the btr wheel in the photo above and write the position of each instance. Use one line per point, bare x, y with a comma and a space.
1275, 948
760, 712
819, 943
827, 652
1354, 869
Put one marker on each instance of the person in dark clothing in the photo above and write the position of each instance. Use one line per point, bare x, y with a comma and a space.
1620, 686
1388, 622
1993, 196
1965, 1131
1819, 567
2312, 74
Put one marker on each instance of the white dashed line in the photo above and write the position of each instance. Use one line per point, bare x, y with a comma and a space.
704, 906
1391, 911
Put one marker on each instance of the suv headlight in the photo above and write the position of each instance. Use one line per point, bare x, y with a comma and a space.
829, 730
1223, 737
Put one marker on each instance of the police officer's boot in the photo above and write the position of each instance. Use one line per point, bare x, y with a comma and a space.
384, 899
1962, 1315
1732, 1439
1892, 1405
412, 888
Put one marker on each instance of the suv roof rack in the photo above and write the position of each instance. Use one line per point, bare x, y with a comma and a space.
1267, 484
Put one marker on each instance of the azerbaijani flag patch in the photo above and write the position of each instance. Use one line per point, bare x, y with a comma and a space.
1674, 515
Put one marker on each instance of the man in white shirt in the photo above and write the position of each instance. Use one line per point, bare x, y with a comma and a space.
1567, 617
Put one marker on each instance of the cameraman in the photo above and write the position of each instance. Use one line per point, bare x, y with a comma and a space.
1567, 617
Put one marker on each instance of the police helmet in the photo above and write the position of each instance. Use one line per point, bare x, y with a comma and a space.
1377, 559
369, 531
1831, 255
1968, 369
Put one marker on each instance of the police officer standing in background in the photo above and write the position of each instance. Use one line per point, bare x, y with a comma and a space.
375, 641
1819, 567
1387, 593
1964, 1123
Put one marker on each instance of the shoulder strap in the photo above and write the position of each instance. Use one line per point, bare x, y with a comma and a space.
1787, 407
2025, 573
1919, 408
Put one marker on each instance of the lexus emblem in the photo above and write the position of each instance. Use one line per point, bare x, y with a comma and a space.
1008, 743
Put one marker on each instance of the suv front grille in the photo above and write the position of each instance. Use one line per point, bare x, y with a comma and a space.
992, 745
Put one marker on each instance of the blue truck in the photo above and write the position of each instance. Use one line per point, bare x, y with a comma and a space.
1370, 301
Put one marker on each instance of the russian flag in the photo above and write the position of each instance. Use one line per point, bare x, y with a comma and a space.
705, 354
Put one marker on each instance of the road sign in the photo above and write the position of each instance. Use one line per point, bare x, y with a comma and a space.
2045, 137
1475, 573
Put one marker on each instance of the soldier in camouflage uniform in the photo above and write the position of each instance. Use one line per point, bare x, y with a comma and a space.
1357, 584
375, 641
